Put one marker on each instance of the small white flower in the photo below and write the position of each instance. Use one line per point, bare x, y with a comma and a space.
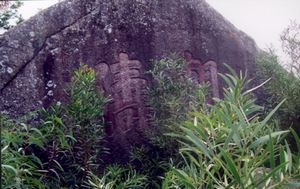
58, 103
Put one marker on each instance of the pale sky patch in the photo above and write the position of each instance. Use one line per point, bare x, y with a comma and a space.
263, 20
31, 7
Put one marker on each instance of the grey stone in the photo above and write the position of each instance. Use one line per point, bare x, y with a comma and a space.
38, 56
50, 45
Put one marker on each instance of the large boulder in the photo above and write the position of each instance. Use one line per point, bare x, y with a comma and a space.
38, 56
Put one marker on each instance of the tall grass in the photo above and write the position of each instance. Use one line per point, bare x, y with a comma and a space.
63, 147
231, 146
283, 85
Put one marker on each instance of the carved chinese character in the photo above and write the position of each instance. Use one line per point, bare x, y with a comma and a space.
201, 73
194, 67
103, 77
124, 83
212, 76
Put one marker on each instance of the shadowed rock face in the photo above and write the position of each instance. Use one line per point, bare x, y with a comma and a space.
126, 114
203, 73
38, 56
126, 85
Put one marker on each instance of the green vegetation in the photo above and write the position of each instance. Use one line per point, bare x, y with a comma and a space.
118, 177
290, 42
61, 150
283, 85
229, 144
232, 147
173, 93
9, 15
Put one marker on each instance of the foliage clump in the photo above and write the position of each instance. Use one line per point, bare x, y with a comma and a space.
282, 85
229, 144
173, 92
9, 15
290, 42
171, 96
61, 149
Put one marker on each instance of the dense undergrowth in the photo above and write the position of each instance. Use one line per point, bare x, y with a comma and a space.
282, 85
233, 143
230, 146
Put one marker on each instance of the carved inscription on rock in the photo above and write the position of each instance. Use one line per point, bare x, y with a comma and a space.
201, 73
126, 86
211, 74
194, 68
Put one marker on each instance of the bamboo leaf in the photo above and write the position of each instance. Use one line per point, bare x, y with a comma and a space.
271, 174
37, 131
297, 139
266, 138
272, 151
271, 113
254, 88
232, 167
193, 138
9, 167
58, 164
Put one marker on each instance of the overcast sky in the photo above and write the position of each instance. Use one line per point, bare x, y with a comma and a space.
263, 20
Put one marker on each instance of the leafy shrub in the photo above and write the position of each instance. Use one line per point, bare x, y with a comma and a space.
290, 42
30, 154
231, 147
283, 85
62, 148
9, 14
85, 117
117, 177
152, 160
18, 168
172, 95
230, 144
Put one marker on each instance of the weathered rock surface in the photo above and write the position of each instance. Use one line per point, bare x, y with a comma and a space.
201, 72
38, 56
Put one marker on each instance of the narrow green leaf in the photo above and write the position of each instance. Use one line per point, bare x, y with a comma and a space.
232, 72
228, 82
289, 156
297, 139
271, 174
293, 184
282, 155
9, 167
4, 148
254, 88
184, 178
71, 137
37, 131
266, 138
58, 164
271, 113
272, 151
193, 138
57, 175
232, 167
